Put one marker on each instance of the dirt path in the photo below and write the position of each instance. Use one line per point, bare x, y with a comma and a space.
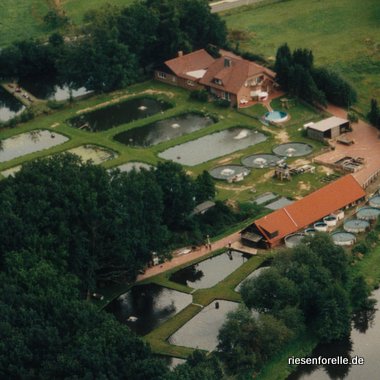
183, 259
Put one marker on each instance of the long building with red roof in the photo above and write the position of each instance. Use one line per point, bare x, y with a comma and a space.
270, 230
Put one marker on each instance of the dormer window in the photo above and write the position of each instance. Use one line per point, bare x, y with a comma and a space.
218, 81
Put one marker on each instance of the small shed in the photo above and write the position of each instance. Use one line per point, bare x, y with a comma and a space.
329, 128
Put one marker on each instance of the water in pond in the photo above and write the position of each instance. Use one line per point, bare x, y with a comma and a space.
202, 330
9, 106
254, 274
94, 153
227, 172
164, 130
121, 113
212, 146
29, 142
260, 161
276, 116
129, 166
171, 361
356, 225
294, 149
368, 213
209, 272
364, 342
48, 88
150, 304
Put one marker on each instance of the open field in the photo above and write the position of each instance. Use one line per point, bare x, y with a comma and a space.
23, 19
343, 35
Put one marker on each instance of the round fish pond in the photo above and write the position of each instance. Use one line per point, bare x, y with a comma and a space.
260, 161
293, 149
276, 116
356, 226
229, 172
310, 231
321, 226
202, 330
129, 166
96, 154
368, 213
164, 130
375, 201
29, 142
292, 241
108, 117
215, 145
343, 238
145, 307
9, 106
209, 272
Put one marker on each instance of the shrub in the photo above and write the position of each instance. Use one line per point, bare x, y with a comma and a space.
223, 103
352, 117
361, 247
54, 105
200, 95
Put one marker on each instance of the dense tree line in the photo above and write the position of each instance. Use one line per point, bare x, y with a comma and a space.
66, 225
117, 46
104, 226
309, 287
296, 73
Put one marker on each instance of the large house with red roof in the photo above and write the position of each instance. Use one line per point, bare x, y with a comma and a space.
270, 230
228, 77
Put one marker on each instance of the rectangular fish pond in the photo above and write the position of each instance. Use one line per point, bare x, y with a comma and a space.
202, 330
120, 113
164, 130
212, 146
209, 272
96, 154
9, 106
29, 142
145, 307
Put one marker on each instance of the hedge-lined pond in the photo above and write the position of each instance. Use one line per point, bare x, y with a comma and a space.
202, 330
209, 272
9, 106
164, 130
212, 146
119, 113
29, 142
145, 307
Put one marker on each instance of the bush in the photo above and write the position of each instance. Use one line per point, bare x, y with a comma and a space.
352, 117
223, 103
200, 95
361, 247
54, 105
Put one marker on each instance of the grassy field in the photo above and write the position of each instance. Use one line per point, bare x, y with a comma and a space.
343, 35
23, 19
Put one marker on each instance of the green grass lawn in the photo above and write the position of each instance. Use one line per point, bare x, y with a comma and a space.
343, 35
76, 9
21, 19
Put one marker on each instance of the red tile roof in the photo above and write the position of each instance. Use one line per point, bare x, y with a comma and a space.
234, 76
196, 60
310, 209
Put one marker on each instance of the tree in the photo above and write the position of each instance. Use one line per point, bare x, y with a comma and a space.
304, 58
269, 292
283, 64
204, 187
374, 114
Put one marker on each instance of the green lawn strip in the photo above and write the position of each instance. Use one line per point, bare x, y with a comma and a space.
225, 289
278, 368
158, 337
369, 267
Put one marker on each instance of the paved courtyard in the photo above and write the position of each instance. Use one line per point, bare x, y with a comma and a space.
367, 145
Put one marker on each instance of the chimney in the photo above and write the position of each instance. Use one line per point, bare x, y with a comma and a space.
227, 62
180, 53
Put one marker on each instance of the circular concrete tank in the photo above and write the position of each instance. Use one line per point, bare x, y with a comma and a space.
292, 241
310, 231
330, 220
321, 226
375, 201
356, 226
343, 238
368, 213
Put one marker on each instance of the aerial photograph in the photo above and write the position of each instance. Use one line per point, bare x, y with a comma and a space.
189, 189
